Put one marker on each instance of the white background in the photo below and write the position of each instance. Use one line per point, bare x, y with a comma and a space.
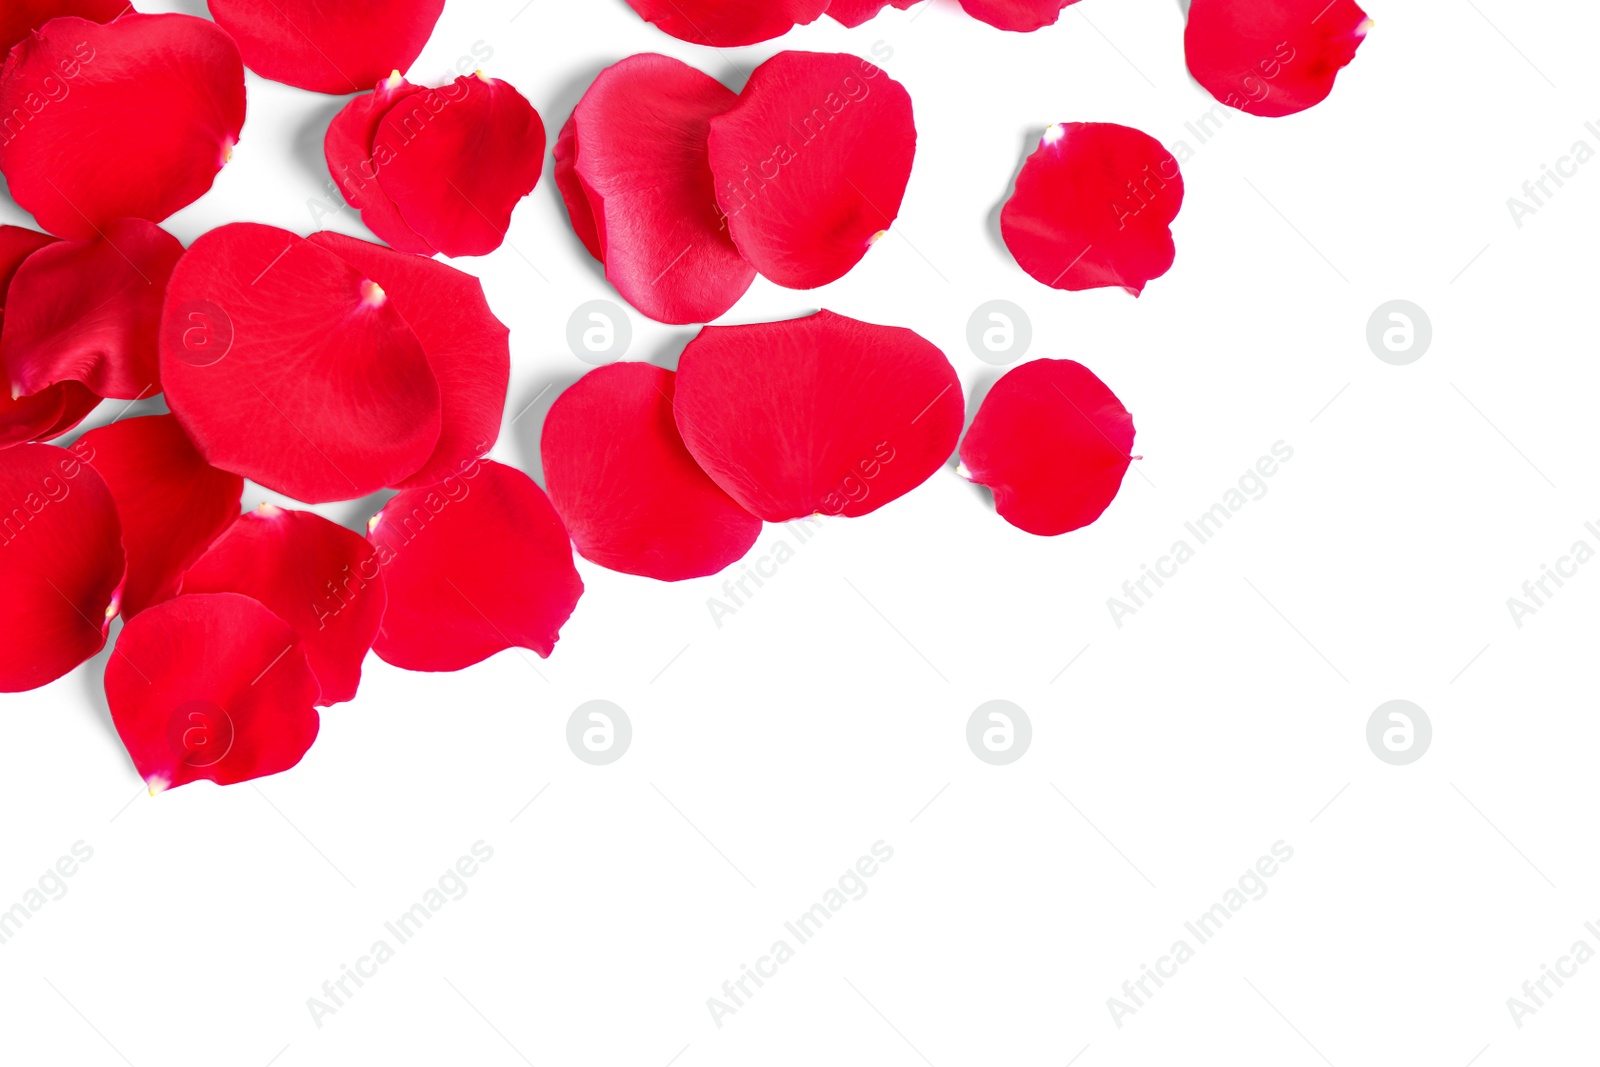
829, 713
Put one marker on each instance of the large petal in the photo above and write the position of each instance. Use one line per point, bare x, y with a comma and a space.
90, 312
291, 367
457, 160
328, 47
812, 164
821, 414
633, 169
468, 348
1272, 57
728, 23
348, 147
19, 18
132, 119
61, 564
172, 503
474, 566
211, 688
1052, 443
315, 575
1093, 206
631, 495
1020, 16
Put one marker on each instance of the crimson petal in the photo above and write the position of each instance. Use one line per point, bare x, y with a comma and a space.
631, 495
19, 18
352, 160
328, 47
728, 23
1092, 208
820, 414
1272, 57
25, 418
172, 504
853, 13
61, 564
474, 566
132, 119
1020, 16
289, 366
468, 348
211, 688
90, 311
458, 160
812, 164
632, 166
1052, 443
317, 576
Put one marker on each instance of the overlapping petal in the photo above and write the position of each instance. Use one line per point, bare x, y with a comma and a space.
328, 47
353, 161
18, 18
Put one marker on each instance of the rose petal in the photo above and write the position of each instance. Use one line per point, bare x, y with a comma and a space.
25, 418
315, 575
291, 367
633, 169
211, 688
19, 18
90, 311
812, 164
457, 160
821, 414
728, 23
172, 504
328, 47
61, 564
132, 119
853, 13
351, 156
468, 348
1020, 16
1272, 57
474, 566
631, 496
1052, 442
1092, 208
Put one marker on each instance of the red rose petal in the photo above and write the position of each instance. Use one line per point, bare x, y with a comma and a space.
812, 164
728, 23
328, 47
1052, 443
352, 160
61, 564
1272, 57
315, 575
27, 418
1092, 208
633, 169
132, 119
457, 160
90, 311
853, 13
631, 496
172, 504
291, 367
468, 348
211, 688
474, 566
820, 414
19, 18
1020, 16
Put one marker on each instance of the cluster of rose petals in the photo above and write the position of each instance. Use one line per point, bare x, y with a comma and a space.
1093, 206
1052, 443
733, 23
328, 47
437, 170
1272, 57
130, 119
685, 190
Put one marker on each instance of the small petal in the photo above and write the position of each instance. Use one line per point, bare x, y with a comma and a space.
1272, 57
728, 23
348, 147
